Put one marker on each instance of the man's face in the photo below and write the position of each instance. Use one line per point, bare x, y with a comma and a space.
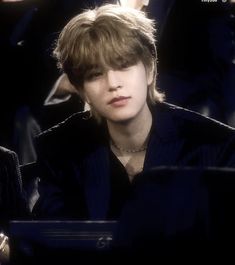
118, 95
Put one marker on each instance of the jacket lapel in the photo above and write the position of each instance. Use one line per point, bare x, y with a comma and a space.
165, 143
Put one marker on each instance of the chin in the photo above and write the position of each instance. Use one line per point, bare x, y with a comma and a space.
122, 118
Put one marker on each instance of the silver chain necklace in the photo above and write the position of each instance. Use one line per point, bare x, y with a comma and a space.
137, 150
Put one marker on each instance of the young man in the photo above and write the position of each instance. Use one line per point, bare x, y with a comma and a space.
89, 163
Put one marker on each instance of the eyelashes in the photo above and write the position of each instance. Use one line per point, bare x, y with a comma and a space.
97, 72
94, 75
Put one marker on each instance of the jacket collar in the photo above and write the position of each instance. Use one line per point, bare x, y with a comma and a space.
165, 142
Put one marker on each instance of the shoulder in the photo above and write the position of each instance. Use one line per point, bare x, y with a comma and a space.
79, 130
6, 152
77, 120
9, 169
7, 156
188, 123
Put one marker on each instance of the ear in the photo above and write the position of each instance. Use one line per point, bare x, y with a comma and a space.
85, 97
150, 74
88, 102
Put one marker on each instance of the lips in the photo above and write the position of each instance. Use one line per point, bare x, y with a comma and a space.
117, 100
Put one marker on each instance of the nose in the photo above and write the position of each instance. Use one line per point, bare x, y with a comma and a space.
113, 80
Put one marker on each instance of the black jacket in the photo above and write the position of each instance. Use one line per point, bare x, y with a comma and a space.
73, 158
167, 211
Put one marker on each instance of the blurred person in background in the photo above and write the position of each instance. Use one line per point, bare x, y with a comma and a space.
13, 204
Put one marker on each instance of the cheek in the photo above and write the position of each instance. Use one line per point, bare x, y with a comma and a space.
143, 83
88, 94
93, 93
93, 98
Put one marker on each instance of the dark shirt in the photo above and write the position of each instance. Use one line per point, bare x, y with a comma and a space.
120, 187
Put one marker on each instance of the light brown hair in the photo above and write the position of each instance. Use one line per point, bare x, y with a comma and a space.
109, 36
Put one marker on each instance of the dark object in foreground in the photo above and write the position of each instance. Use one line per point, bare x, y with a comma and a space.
173, 213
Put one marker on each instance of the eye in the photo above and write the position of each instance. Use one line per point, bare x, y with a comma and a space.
94, 75
124, 64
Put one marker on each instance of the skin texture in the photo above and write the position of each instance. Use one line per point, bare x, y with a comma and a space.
102, 90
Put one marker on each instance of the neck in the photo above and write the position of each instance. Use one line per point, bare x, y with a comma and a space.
132, 134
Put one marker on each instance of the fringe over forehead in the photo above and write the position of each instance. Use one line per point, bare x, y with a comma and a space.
106, 37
